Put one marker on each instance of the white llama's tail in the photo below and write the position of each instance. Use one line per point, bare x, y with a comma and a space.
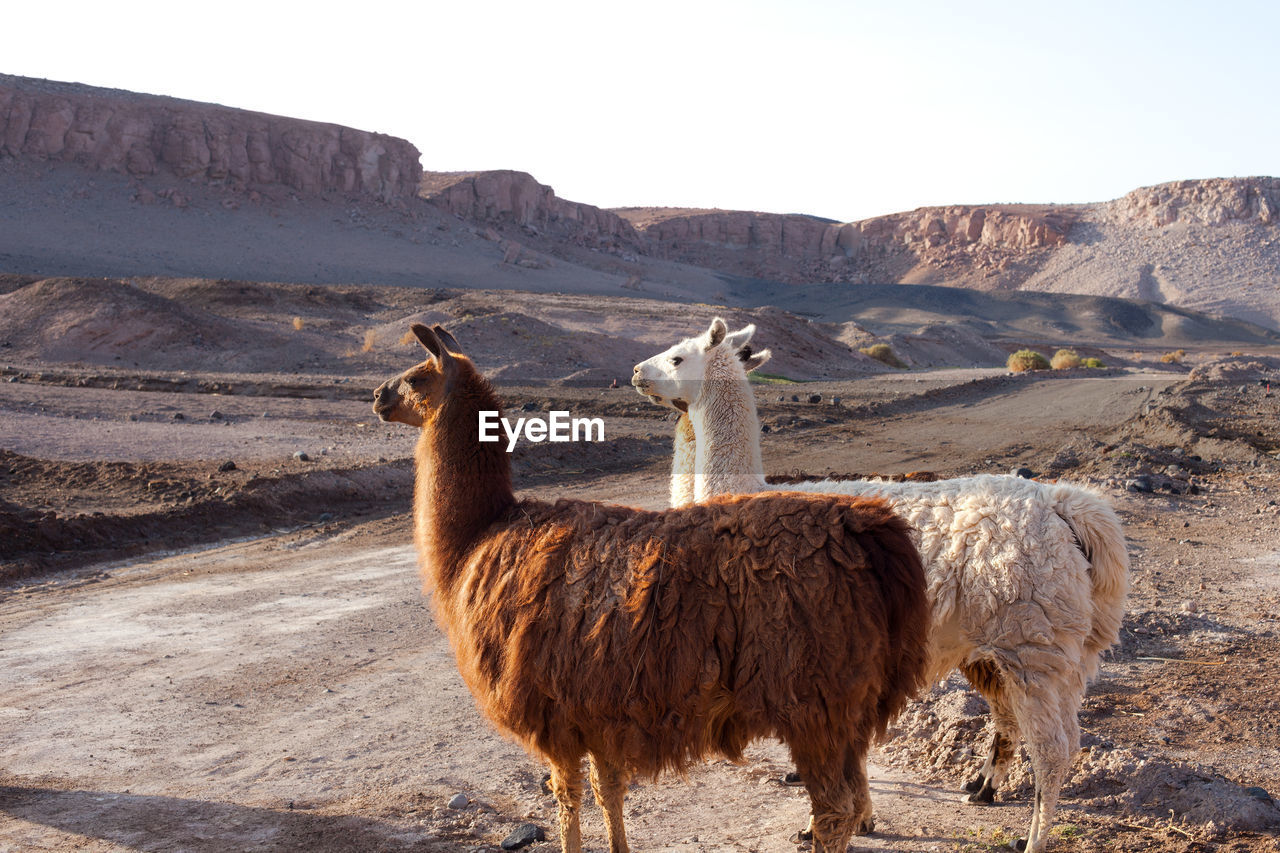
1097, 529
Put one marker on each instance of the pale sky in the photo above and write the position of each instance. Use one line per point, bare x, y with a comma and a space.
839, 109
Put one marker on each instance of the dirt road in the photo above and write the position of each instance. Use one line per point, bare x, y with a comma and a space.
292, 692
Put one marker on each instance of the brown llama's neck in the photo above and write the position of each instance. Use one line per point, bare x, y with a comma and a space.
463, 485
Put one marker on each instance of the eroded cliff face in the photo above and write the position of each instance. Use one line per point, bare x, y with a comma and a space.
506, 196
886, 248
142, 135
1214, 201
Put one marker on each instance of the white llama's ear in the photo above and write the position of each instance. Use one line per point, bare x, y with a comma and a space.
755, 360
737, 340
716, 333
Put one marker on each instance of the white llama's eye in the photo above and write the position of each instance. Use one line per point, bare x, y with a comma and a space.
675, 359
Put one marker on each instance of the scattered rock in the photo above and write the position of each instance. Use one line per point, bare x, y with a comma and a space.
1024, 473
178, 416
301, 456
815, 398
524, 835
459, 801
795, 398
227, 466
215, 415
1259, 793
1141, 483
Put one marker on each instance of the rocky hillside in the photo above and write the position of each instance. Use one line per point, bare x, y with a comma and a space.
141, 135
1210, 245
82, 170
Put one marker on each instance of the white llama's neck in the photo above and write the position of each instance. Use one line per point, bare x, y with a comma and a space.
684, 465
727, 431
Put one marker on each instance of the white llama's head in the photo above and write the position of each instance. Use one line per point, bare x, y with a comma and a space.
677, 377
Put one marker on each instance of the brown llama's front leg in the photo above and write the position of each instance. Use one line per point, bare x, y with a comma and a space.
609, 782
566, 785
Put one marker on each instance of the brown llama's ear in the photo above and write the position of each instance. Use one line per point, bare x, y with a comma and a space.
429, 340
716, 333
445, 338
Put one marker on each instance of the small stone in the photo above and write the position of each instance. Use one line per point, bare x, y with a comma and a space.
1188, 606
529, 407
1141, 483
1259, 793
764, 428
795, 398
524, 835
1024, 473
227, 466
215, 415
178, 416
301, 456
815, 398
835, 401
459, 801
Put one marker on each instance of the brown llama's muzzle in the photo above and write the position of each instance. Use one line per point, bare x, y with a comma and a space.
384, 401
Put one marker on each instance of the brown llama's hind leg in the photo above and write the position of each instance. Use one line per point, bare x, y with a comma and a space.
986, 679
566, 785
609, 783
838, 804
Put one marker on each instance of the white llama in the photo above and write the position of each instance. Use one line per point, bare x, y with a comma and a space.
1027, 580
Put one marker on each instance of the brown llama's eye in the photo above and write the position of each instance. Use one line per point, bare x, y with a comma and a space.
675, 359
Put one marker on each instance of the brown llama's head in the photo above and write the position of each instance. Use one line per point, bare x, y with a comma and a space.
416, 395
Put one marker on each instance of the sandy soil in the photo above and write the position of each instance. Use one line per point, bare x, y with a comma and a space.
200, 659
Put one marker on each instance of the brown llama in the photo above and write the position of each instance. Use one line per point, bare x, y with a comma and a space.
649, 640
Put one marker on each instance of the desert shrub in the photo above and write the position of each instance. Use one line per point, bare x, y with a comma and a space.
1092, 362
297, 324
407, 338
370, 336
1026, 359
1065, 359
883, 353
1174, 357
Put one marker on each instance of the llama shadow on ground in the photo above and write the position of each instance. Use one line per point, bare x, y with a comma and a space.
139, 822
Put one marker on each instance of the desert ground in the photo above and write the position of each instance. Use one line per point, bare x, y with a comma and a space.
213, 633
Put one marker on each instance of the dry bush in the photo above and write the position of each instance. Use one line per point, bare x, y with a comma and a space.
297, 324
1065, 359
1174, 357
883, 353
407, 338
370, 336
1092, 362
1026, 359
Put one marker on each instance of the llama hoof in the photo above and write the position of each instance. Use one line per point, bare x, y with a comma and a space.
792, 778
975, 784
802, 836
546, 783
1020, 845
985, 796
866, 826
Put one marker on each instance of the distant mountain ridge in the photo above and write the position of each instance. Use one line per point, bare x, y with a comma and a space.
1210, 245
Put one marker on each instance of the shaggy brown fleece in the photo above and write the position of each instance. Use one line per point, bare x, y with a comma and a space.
648, 640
